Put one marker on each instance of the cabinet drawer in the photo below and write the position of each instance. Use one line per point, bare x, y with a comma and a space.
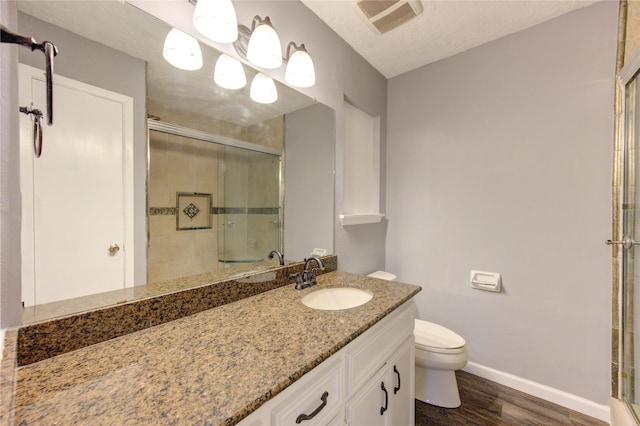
311, 399
366, 359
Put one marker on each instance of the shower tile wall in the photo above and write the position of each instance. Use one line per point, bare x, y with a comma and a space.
179, 164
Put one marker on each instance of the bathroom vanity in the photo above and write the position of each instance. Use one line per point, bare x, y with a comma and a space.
368, 382
265, 359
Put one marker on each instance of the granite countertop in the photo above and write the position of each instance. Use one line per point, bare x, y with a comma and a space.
214, 367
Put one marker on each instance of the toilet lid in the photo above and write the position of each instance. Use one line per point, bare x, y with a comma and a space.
436, 336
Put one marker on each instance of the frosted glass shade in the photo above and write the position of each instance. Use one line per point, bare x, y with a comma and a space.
264, 48
216, 20
229, 73
300, 71
182, 51
263, 89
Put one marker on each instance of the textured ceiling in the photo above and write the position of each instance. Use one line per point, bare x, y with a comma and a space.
444, 28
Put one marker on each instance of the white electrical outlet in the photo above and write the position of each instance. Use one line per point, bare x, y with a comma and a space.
319, 252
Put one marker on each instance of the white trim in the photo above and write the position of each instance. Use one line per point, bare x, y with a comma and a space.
556, 396
128, 184
360, 219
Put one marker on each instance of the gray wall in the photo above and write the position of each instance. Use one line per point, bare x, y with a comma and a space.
9, 175
309, 156
112, 70
499, 159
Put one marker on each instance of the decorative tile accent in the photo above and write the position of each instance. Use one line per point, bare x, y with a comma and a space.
163, 211
264, 210
190, 204
172, 211
191, 210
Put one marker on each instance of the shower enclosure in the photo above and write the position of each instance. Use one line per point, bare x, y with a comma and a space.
249, 212
214, 202
629, 234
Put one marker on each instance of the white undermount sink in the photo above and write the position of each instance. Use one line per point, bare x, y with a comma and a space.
334, 299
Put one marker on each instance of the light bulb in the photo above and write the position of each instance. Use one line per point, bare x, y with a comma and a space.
229, 73
300, 71
264, 48
216, 20
182, 51
263, 89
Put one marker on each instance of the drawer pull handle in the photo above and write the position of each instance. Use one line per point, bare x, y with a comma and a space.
396, 389
302, 417
386, 399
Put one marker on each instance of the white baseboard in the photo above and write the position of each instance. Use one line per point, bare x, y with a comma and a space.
565, 399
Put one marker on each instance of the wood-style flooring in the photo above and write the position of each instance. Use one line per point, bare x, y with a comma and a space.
486, 403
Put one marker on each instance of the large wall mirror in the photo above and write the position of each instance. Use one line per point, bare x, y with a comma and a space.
155, 169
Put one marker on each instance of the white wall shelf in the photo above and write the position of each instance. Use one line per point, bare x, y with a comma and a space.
360, 219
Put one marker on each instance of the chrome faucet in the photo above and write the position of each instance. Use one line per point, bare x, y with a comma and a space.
308, 277
280, 256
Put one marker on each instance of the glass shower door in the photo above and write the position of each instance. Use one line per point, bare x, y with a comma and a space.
250, 214
630, 230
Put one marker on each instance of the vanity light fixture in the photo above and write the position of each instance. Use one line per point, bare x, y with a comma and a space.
300, 71
216, 20
263, 89
182, 51
229, 73
264, 48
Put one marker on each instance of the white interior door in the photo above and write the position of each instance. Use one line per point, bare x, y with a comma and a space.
75, 195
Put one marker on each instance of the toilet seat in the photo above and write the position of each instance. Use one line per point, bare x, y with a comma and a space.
436, 338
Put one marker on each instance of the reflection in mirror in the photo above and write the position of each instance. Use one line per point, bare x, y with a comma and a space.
232, 207
112, 52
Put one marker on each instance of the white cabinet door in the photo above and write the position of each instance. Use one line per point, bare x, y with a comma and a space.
402, 411
369, 406
387, 399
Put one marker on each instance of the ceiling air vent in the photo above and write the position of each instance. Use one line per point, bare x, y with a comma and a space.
384, 15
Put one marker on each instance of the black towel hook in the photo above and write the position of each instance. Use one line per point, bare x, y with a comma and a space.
50, 51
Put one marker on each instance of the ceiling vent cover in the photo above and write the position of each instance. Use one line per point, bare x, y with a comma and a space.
384, 15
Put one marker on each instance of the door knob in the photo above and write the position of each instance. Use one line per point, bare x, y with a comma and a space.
626, 242
114, 248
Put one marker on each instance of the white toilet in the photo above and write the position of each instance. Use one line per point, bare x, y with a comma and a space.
439, 353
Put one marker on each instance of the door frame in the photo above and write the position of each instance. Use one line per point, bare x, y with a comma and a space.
26, 74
